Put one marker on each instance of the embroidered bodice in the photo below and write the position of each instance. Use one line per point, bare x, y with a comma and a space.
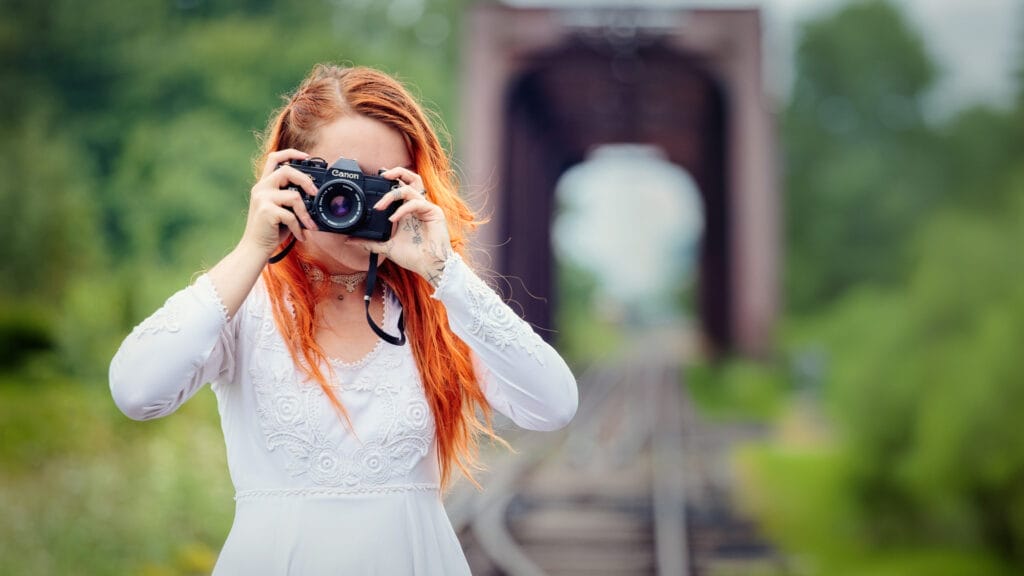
393, 433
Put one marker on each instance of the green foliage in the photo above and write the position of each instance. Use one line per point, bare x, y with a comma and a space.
24, 332
180, 193
83, 490
924, 382
799, 499
859, 177
737, 389
585, 335
980, 151
803, 502
863, 84
927, 396
52, 231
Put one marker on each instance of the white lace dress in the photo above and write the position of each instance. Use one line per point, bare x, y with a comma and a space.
312, 497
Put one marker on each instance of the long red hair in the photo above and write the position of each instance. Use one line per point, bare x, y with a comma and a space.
444, 363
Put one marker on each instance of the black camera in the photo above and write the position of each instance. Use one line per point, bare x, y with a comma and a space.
345, 197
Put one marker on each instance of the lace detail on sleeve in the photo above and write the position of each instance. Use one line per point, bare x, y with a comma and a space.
205, 283
494, 322
453, 261
169, 317
166, 319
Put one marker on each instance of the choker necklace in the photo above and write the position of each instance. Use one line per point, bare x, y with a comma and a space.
350, 281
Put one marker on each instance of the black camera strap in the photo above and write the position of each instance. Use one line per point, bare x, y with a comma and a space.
371, 280
284, 252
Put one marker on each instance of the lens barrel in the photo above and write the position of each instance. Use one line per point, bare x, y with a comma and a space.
340, 205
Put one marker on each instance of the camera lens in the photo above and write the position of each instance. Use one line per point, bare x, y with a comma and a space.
340, 205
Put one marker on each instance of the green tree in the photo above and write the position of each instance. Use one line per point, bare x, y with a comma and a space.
858, 173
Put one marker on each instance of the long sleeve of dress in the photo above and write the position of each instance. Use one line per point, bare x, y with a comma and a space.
170, 355
523, 377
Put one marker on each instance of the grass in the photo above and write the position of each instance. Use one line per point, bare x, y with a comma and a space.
800, 499
737, 390
84, 490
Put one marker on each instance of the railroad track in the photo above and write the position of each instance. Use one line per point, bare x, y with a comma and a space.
619, 492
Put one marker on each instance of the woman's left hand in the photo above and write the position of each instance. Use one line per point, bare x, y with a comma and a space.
420, 240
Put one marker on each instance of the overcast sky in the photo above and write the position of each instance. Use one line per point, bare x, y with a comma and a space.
973, 42
632, 218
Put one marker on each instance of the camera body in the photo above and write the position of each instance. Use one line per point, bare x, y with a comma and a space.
345, 197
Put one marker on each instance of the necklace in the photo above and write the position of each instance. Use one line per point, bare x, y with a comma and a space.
350, 281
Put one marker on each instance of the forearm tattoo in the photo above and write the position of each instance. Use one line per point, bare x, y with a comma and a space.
439, 254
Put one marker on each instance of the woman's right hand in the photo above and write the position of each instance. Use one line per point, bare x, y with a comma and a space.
274, 211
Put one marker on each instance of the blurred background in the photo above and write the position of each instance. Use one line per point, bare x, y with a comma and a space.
781, 243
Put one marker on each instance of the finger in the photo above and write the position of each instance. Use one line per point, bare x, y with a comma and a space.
406, 193
286, 176
279, 157
291, 198
288, 219
405, 175
374, 246
423, 210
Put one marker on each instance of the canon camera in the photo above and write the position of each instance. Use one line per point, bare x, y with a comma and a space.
345, 197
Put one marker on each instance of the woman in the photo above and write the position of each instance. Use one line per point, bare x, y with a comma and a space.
340, 444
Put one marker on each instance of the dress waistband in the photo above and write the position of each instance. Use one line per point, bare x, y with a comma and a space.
328, 492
